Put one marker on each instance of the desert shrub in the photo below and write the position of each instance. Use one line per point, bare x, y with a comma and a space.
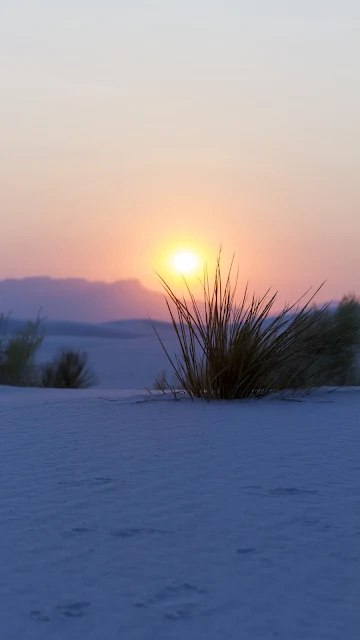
68, 370
235, 351
334, 359
17, 353
341, 360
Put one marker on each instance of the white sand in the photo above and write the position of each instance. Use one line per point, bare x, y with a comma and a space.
156, 520
118, 363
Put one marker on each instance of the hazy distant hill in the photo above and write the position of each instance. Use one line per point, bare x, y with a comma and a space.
121, 329
79, 300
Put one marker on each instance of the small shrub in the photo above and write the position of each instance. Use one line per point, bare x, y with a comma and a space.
17, 354
343, 365
333, 359
230, 351
68, 370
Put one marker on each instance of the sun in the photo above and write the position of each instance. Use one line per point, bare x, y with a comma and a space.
185, 262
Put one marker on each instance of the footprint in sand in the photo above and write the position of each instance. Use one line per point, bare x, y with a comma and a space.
74, 609
135, 531
291, 491
37, 615
177, 602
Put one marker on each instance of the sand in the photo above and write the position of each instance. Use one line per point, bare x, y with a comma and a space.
134, 517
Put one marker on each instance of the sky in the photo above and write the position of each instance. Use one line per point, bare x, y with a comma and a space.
131, 128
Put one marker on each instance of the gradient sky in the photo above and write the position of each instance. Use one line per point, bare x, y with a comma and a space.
129, 127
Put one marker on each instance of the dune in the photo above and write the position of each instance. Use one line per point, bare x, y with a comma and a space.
123, 355
132, 516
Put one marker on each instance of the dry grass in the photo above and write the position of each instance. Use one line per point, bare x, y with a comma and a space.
68, 370
17, 353
234, 351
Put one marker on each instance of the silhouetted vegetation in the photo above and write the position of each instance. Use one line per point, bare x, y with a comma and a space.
68, 370
335, 361
230, 351
17, 354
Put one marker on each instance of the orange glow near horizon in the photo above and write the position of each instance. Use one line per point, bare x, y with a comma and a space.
122, 158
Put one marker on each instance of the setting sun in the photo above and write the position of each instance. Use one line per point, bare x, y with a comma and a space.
185, 262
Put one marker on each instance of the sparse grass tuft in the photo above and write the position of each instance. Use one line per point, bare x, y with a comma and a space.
341, 361
68, 370
17, 354
235, 351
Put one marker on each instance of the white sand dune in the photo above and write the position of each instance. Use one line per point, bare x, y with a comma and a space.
132, 517
118, 363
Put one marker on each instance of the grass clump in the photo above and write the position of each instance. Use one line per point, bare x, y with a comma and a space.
69, 369
17, 354
235, 351
347, 319
338, 359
